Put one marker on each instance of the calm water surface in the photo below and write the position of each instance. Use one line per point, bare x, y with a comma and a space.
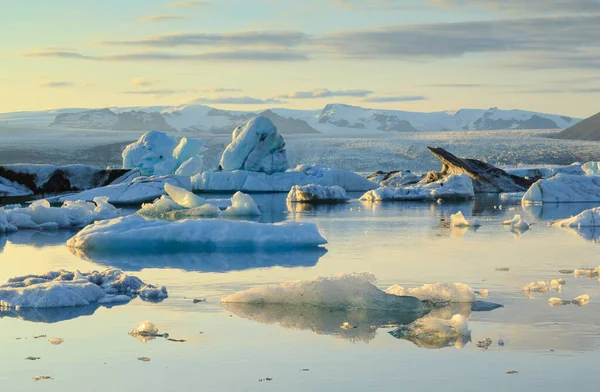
231, 348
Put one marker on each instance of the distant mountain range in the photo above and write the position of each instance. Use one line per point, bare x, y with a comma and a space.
333, 119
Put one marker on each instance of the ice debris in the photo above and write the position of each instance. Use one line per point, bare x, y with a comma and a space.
430, 332
437, 293
458, 220
517, 223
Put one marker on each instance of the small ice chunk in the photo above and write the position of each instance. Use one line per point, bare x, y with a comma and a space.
435, 333
146, 328
557, 302
437, 293
242, 205
317, 194
485, 343
582, 300
517, 223
184, 197
482, 293
347, 326
56, 341
458, 220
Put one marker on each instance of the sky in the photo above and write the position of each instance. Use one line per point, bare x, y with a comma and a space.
417, 55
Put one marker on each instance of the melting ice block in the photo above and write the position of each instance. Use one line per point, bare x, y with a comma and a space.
135, 233
437, 293
317, 194
65, 289
455, 186
430, 332
347, 291
242, 205
458, 220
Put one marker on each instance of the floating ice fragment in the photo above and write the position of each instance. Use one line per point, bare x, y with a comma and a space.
347, 326
437, 293
582, 300
184, 197
485, 343
242, 205
557, 302
146, 328
517, 223
317, 194
458, 220
432, 332
56, 341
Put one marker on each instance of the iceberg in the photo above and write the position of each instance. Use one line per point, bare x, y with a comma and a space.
183, 197
346, 291
430, 332
458, 220
247, 181
57, 289
454, 186
517, 223
139, 190
189, 148
256, 147
564, 188
191, 167
591, 168
13, 189
317, 194
152, 153
395, 179
40, 215
437, 293
588, 218
136, 234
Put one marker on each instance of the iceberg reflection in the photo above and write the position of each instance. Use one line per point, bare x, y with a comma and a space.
205, 261
53, 315
350, 324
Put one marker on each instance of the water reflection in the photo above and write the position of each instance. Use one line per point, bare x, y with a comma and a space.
39, 239
207, 261
555, 211
52, 315
362, 324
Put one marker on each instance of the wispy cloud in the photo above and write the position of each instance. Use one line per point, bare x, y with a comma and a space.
58, 84
407, 98
160, 18
324, 93
270, 38
247, 55
155, 92
235, 100
141, 82
189, 4
214, 90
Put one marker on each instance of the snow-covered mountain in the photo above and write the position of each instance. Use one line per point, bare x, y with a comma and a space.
337, 119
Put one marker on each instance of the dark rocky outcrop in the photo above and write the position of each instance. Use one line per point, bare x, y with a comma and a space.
486, 178
48, 179
588, 129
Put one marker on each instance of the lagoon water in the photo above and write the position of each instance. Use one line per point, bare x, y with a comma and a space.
231, 348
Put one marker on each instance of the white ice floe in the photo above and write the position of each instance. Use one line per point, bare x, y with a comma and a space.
39, 215
139, 190
257, 147
433, 332
591, 168
317, 194
582, 300
458, 220
437, 293
248, 181
347, 291
66, 289
451, 187
242, 205
135, 233
564, 188
588, 218
517, 223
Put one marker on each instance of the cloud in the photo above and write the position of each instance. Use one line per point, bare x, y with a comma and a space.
459, 85
564, 37
220, 89
236, 100
141, 82
270, 38
160, 18
247, 55
325, 93
155, 92
189, 4
56, 84
407, 98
